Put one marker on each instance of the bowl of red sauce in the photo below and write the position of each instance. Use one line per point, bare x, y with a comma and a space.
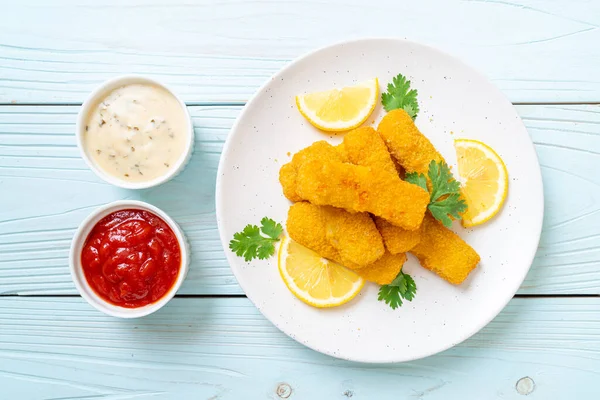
128, 258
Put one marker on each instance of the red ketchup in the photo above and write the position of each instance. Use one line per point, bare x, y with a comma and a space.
131, 258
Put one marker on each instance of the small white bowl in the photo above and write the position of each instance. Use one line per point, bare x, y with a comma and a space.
80, 280
97, 95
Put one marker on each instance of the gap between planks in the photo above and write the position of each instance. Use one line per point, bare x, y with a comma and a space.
189, 104
179, 296
243, 103
243, 296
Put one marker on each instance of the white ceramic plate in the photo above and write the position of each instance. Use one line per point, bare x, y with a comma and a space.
456, 102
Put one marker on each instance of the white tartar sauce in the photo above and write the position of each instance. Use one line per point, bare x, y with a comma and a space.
137, 133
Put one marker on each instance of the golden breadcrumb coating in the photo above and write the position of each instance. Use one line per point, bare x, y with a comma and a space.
362, 189
342, 236
364, 146
444, 252
439, 249
413, 151
317, 151
384, 270
397, 240
350, 239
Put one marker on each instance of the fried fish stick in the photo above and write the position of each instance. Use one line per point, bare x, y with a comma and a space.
317, 151
384, 270
413, 151
439, 249
409, 147
350, 239
444, 252
397, 240
354, 235
337, 234
364, 146
362, 189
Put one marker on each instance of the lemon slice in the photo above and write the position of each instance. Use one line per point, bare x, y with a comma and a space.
316, 280
485, 180
340, 109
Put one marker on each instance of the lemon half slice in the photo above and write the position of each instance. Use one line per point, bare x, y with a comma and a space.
485, 180
315, 280
338, 110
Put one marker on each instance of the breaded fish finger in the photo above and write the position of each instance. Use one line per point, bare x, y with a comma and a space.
351, 239
439, 250
364, 146
406, 143
332, 232
362, 189
384, 270
354, 235
397, 240
317, 151
444, 252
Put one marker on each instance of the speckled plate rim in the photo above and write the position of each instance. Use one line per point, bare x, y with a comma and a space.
232, 258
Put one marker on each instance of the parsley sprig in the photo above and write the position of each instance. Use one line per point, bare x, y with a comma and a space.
250, 244
403, 287
445, 200
400, 95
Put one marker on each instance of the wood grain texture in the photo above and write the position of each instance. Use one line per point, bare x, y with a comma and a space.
47, 190
224, 349
567, 140
221, 51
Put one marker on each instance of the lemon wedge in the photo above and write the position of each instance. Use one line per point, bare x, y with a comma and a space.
316, 280
339, 110
485, 180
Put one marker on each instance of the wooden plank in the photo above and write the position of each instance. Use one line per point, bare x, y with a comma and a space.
46, 191
56, 52
567, 141
224, 349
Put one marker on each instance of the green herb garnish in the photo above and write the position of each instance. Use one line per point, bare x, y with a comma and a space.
402, 287
445, 201
250, 244
400, 95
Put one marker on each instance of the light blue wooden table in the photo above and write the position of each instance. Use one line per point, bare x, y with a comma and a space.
210, 342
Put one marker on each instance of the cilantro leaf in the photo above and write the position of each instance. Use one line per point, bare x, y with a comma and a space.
442, 181
451, 206
412, 110
266, 250
400, 282
417, 179
245, 243
400, 95
271, 228
445, 200
411, 287
391, 296
250, 244
402, 287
